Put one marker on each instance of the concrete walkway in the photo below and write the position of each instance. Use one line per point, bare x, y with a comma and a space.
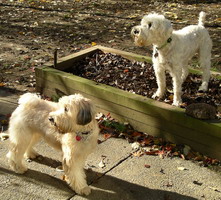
119, 176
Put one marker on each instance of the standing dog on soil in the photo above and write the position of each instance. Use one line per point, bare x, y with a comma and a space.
173, 50
68, 125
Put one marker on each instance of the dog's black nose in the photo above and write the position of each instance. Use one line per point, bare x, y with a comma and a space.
51, 119
136, 31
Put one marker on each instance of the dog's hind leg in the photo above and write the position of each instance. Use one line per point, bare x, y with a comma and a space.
30, 152
18, 147
177, 88
205, 63
185, 72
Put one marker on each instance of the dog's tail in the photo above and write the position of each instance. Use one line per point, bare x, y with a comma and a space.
202, 18
28, 98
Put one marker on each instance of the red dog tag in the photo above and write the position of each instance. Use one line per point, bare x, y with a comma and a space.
78, 138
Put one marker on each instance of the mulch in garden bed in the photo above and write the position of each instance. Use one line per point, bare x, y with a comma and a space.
139, 78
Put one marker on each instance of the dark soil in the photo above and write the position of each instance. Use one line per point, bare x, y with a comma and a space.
138, 77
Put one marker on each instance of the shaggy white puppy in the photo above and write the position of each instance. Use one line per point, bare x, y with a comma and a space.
68, 125
173, 50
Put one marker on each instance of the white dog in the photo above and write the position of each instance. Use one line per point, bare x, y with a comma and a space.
68, 125
173, 50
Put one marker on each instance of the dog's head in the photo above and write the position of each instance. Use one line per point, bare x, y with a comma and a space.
74, 110
154, 29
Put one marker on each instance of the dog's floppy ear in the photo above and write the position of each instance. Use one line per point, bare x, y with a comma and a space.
84, 115
167, 28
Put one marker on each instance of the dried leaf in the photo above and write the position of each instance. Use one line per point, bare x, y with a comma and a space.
101, 164
4, 136
146, 141
214, 189
137, 154
176, 153
107, 136
181, 168
63, 178
152, 152
136, 134
186, 149
4, 122
183, 157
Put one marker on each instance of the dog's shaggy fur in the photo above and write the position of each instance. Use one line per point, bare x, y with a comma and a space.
68, 125
173, 50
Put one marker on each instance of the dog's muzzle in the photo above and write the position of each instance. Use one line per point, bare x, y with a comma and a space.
85, 133
135, 31
51, 119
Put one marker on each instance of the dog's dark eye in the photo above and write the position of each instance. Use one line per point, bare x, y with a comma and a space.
65, 109
149, 25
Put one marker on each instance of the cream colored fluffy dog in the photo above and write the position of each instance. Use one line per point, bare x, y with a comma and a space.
68, 125
173, 49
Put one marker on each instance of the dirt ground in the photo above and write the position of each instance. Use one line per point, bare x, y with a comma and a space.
30, 30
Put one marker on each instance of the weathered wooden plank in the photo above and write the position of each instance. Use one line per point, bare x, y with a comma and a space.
67, 61
125, 54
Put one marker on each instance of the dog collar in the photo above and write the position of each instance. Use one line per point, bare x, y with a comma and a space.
169, 40
78, 135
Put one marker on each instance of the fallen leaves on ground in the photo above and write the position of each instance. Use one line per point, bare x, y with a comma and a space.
145, 144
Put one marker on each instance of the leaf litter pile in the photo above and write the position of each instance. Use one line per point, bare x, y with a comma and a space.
138, 77
145, 144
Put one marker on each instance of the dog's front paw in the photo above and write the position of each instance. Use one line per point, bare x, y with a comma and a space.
177, 103
203, 87
84, 191
19, 169
157, 94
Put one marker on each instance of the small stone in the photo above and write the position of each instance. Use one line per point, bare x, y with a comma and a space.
135, 146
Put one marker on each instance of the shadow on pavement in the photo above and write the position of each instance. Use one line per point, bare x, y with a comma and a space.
103, 187
36, 177
47, 161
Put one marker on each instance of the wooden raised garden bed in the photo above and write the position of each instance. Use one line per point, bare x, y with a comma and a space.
144, 114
